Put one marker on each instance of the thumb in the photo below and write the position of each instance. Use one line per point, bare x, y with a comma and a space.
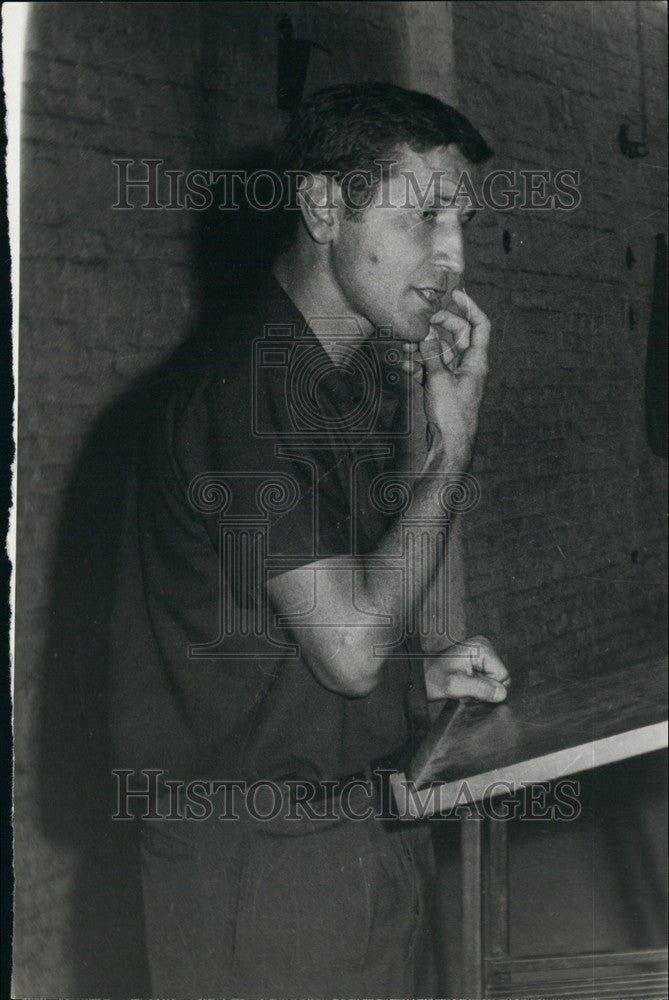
481, 688
430, 352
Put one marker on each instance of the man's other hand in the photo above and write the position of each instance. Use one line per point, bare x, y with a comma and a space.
467, 670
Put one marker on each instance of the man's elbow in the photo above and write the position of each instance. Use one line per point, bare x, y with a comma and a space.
350, 685
357, 685
352, 671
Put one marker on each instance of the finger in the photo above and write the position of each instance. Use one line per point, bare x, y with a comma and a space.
463, 339
454, 331
447, 320
413, 368
431, 352
485, 659
491, 665
461, 685
457, 344
475, 357
448, 353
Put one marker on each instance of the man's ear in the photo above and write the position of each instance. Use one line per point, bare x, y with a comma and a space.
318, 198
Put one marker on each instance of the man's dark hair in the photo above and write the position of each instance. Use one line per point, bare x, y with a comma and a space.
348, 128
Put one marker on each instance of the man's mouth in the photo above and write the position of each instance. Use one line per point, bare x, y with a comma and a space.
432, 296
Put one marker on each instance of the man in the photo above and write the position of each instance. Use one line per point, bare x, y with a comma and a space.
266, 625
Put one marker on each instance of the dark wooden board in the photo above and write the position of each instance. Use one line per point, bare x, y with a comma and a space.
539, 719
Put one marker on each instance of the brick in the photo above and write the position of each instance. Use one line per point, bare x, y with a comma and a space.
569, 488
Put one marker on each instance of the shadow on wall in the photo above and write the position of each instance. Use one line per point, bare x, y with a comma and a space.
233, 247
105, 932
104, 929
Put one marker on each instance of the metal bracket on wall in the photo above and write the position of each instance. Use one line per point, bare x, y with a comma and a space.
632, 148
293, 63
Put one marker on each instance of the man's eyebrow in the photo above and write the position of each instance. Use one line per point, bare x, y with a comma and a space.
468, 210
445, 199
469, 215
445, 195
451, 199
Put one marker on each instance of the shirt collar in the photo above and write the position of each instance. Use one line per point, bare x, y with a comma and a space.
343, 384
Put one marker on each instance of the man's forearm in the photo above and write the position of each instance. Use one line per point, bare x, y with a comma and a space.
426, 510
414, 600
338, 636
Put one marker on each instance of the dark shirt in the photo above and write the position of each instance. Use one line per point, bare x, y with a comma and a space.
256, 454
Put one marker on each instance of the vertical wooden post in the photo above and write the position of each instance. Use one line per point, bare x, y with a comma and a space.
497, 890
428, 61
471, 833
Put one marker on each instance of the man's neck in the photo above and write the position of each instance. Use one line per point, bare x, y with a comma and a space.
321, 304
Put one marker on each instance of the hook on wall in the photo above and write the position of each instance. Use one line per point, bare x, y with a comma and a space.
293, 63
629, 147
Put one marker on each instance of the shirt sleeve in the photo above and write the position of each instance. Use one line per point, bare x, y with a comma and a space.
267, 498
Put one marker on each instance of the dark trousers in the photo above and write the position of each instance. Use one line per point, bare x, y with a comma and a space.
341, 912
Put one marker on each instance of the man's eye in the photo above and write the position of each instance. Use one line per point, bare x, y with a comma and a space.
427, 213
468, 219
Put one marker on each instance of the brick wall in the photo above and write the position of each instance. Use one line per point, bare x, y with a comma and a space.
104, 296
566, 553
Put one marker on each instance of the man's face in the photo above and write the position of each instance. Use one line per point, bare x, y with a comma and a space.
396, 266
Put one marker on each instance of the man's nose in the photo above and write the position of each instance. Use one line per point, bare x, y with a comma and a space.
449, 250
